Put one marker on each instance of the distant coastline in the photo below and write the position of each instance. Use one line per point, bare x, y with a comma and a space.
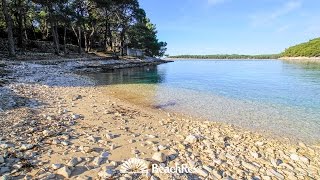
226, 56
257, 57
234, 59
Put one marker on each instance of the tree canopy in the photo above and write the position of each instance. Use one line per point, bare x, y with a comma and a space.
307, 49
107, 25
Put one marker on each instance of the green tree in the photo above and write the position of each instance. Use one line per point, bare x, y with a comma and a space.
143, 36
9, 24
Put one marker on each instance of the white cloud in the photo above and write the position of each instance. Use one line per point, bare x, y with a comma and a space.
283, 28
215, 2
267, 18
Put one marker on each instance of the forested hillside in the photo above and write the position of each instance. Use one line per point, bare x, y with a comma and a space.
307, 49
106, 25
228, 56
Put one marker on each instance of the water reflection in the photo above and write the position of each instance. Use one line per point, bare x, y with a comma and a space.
137, 75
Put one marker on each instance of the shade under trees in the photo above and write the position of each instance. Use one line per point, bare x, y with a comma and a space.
104, 25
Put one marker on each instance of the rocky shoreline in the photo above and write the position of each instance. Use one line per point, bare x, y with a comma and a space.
56, 124
302, 59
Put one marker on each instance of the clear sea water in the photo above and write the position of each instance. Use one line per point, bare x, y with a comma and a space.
277, 97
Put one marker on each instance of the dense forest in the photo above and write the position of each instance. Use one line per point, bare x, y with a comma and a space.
307, 49
228, 56
105, 25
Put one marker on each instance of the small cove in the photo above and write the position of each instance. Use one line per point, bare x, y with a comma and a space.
270, 96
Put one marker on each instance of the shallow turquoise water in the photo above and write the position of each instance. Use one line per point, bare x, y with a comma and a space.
266, 95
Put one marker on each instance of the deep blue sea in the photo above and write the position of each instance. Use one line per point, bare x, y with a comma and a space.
273, 96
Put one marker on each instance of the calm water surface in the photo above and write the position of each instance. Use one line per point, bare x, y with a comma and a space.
273, 96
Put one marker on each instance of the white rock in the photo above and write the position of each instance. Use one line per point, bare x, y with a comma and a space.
159, 156
294, 157
231, 157
255, 155
65, 143
47, 133
191, 139
207, 168
301, 144
92, 139
56, 166
113, 146
64, 171
161, 148
154, 178
97, 161
216, 174
276, 173
1, 159
108, 173
201, 172
304, 159
217, 161
26, 146
260, 143
109, 136
5, 146
249, 166
276, 162
75, 116
74, 161
55, 141
105, 154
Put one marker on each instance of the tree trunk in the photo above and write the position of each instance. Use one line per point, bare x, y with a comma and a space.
91, 38
55, 38
106, 36
85, 40
20, 23
79, 40
65, 40
122, 43
110, 38
78, 35
9, 27
25, 22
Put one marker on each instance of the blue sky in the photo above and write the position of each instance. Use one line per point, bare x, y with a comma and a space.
233, 26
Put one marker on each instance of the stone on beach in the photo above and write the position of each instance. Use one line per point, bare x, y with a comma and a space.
26, 146
74, 161
110, 136
64, 171
1, 159
202, 172
75, 116
97, 161
107, 173
191, 139
56, 166
159, 156
47, 133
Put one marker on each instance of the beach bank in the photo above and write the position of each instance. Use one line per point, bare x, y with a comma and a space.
58, 124
302, 59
